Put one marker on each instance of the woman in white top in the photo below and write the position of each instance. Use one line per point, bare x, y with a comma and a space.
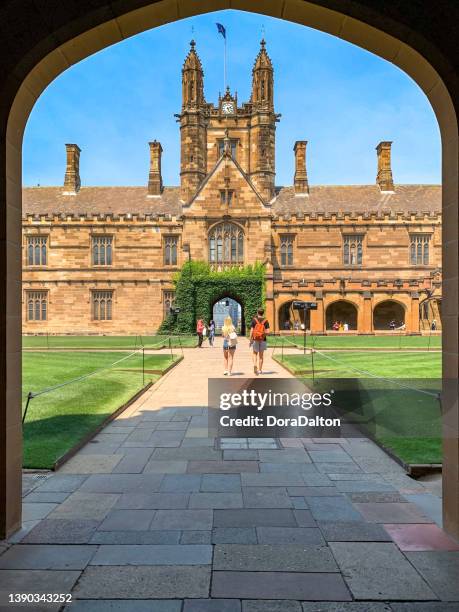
229, 345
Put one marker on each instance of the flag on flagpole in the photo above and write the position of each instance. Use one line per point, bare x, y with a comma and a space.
221, 30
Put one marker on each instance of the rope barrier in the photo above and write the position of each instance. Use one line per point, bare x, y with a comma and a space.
371, 375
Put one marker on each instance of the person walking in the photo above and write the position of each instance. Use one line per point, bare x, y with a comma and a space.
211, 332
258, 330
199, 330
229, 345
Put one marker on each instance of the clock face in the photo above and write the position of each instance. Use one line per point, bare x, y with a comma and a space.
228, 108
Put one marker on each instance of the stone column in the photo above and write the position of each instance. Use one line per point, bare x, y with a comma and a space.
317, 316
414, 315
367, 314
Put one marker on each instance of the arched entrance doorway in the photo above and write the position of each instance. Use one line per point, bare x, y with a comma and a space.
43, 43
342, 314
228, 307
388, 315
430, 314
292, 319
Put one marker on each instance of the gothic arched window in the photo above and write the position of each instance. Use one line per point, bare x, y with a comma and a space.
226, 244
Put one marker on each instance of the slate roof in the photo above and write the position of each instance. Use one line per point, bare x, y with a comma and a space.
322, 198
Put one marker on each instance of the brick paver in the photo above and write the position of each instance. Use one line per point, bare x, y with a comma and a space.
156, 511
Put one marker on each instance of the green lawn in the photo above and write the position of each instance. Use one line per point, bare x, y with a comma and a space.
106, 342
57, 420
344, 342
397, 408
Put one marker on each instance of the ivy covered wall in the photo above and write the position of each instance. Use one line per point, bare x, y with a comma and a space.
197, 288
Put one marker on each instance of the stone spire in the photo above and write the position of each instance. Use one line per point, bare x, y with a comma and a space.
263, 80
155, 181
301, 176
192, 80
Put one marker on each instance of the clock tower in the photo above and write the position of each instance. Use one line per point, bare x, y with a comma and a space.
246, 130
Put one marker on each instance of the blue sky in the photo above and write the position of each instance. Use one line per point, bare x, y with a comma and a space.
340, 98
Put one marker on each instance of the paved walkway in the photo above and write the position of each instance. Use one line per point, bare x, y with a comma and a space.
154, 515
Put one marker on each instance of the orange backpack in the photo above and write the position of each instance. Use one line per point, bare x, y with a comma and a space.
259, 331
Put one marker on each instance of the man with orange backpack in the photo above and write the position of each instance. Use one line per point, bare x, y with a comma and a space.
259, 328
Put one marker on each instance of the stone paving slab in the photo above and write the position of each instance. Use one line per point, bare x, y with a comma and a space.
184, 519
91, 464
421, 537
304, 518
291, 455
187, 454
53, 497
85, 506
152, 501
339, 468
216, 500
313, 491
251, 517
441, 571
165, 467
36, 511
354, 606
275, 479
146, 554
289, 535
181, 483
333, 509
212, 605
273, 558
143, 582
221, 483
424, 607
353, 531
379, 571
133, 463
121, 483
359, 486
62, 531
127, 520
240, 455
136, 537
380, 497
299, 468
279, 585
335, 456
234, 535
266, 497
46, 557
221, 467
392, 513
430, 505
255, 605
196, 537
126, 605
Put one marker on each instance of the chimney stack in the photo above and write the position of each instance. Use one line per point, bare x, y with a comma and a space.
384, 177
155, 181
301, 176
72, 182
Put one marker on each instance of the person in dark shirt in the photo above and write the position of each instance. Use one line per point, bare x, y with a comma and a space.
259, 329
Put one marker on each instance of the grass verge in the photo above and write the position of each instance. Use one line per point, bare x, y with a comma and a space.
397, 409
59, 419
106, 342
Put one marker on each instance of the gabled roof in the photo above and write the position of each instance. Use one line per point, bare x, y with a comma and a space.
225, 157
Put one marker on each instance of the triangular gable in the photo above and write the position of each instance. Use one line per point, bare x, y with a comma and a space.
226, 173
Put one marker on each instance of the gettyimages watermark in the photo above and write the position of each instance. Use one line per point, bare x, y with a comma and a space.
331, 408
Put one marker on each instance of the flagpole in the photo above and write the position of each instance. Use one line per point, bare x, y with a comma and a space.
224, 65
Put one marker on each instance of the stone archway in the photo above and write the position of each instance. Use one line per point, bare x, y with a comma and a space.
388, 313
39, 43
229, 306
295, 318
341, 312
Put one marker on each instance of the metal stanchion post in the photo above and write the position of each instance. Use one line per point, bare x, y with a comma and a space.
29, 397
143, 366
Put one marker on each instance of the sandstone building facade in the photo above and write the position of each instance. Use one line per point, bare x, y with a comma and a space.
101, 260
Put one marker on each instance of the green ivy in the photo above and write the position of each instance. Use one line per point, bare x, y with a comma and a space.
198, 287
